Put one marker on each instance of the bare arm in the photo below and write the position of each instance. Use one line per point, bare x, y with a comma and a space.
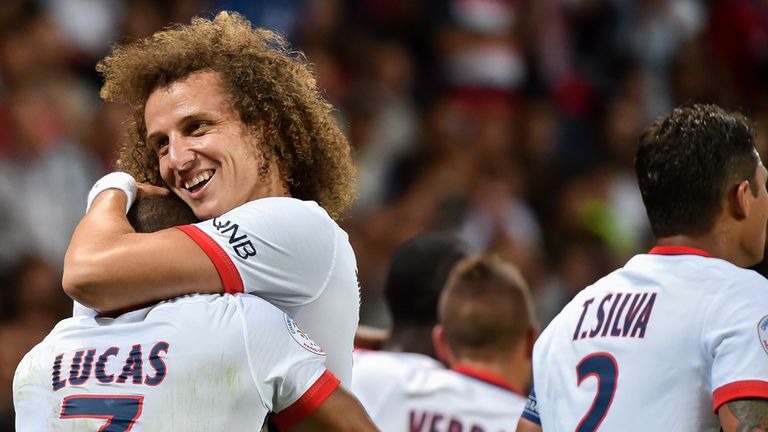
744, 415
109, 266
341, 412
524, 425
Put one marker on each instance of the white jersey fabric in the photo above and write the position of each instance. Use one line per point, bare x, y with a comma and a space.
195, 363
415, 393
291, 253
659, 344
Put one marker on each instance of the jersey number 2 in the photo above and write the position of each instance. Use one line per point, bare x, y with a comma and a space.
604, 367
120, 412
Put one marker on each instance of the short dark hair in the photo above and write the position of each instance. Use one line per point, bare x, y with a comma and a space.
417, 274
160, 212
685, 163
485, 308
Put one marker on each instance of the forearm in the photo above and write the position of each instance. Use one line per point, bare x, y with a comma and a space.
87, 261
744, 415
109, 266
341, 412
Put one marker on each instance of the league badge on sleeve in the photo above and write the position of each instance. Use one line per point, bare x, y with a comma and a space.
762, 332
302, 338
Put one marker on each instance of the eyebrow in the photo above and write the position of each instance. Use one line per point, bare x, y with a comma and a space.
184, 120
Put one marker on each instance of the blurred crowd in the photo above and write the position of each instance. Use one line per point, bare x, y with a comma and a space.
510, 122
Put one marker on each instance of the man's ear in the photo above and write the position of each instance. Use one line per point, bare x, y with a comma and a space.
738, 200
442, 350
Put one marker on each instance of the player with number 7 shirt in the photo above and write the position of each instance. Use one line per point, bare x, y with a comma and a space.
677, 339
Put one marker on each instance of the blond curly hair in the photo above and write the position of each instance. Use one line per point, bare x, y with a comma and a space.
271, 87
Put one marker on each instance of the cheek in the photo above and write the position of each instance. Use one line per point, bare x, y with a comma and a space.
165, 173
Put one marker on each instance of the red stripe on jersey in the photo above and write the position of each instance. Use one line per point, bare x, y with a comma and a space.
228, 273
308, 402
487, 377
678, 250
739, 390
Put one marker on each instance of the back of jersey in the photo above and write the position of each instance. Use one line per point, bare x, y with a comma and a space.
646, 347
405, 392
190, 364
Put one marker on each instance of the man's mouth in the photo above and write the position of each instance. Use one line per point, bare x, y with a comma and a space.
199, 181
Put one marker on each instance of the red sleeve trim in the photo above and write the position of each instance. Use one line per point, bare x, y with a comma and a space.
228, 273
739, 390
308, 402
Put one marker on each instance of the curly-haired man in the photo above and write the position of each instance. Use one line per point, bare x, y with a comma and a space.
228, 118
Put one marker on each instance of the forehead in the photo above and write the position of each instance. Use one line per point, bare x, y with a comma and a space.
199, 92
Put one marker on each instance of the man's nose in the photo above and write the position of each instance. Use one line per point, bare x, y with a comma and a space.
180, 154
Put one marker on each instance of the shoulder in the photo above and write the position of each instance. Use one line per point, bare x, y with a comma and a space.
282, 208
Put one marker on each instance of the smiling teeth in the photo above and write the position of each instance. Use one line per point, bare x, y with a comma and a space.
203, 176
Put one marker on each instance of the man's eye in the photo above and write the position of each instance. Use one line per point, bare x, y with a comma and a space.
160, 145
196, 127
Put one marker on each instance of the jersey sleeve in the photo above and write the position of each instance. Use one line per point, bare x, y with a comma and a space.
736, 336
531, 410
280, 249
287, 366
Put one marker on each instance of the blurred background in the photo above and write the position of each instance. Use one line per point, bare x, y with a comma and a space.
510, 122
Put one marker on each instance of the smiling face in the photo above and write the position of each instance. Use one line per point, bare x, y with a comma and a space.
207, 156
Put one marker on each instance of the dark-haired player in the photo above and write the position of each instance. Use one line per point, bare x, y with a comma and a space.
200, 362
677, 339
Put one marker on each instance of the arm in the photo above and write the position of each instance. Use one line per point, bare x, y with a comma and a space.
744, 415
109, 266
527, 426
340, 412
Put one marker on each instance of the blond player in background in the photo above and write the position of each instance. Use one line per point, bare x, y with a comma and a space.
485, 334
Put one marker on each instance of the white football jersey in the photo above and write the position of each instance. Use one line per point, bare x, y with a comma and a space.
659, 344
291, 253
415, 393
195, 363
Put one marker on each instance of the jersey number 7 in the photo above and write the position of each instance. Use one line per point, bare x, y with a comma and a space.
120, 412
604, 367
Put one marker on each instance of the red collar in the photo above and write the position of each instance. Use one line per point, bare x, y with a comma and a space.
485, 376
678, 250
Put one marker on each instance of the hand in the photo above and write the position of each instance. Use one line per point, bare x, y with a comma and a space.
147, 190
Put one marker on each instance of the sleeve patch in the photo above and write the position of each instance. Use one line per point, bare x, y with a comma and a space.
531, 411
301, 337
762, 333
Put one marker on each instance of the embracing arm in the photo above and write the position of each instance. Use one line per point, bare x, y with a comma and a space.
108, 266
744, 415
341, 412
524, 425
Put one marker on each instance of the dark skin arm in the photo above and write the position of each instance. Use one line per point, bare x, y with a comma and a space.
744, 415
524, 425
341, 412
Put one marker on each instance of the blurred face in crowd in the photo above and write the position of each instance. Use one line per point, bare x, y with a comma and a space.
208, 157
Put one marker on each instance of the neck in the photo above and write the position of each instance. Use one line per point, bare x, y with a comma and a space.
718, 243
508, 371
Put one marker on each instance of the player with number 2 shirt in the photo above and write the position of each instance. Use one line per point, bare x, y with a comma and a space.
677, 339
